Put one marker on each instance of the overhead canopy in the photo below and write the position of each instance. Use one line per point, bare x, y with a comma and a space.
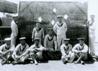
33, 10
8, 7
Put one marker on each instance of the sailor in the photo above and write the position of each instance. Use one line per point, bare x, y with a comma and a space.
80, 51
60, 29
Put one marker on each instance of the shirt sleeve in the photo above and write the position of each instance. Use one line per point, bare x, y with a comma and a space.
62, 50
1, 47
43, 33
45, 42
31, 48
42, 48
70, 47
65, 25
75, 48
33, 34
14, 28
85, 49
55, 42
16, 49
55, 28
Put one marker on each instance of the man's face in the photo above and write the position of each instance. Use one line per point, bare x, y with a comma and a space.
22, 42
81, 42
66, 42
9, 17
60, 19
50, 32
38, 25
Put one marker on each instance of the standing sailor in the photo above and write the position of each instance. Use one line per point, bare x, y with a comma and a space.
60, 29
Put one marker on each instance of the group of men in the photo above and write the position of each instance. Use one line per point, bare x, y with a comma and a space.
50, 42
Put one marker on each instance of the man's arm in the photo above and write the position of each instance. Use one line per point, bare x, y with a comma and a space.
74, 49
65, 25
45, 42
1, 47
43, 34
14, 28
33, 34
15, 51
55, 42
55, 28
62, 50
85, 50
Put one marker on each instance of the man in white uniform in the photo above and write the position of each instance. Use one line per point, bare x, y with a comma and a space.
14, 31
91, 25
60, 29
36, 50
66, 50
80, 51
19, 55
5, 51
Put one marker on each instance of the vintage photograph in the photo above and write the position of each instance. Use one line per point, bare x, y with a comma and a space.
47, 36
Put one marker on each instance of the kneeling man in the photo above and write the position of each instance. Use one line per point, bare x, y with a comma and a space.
80, 51
19, 53
5, 51
67, 55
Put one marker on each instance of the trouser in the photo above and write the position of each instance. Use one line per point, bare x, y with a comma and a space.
20, 59
13, 40
36, 55
6, 56
91, 47
82, 55
51, 55
59, 41
69, 58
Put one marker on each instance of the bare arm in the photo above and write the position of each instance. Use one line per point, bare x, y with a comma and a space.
33, 34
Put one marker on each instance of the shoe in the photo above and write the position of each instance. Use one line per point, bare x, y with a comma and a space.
82, 62
14, 62
75, 62
36, 63
31, 62
65, 62
3, 62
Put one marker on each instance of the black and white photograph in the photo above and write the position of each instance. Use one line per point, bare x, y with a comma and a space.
48, 35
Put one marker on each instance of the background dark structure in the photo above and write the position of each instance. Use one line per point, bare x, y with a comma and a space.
77, 12
30, 11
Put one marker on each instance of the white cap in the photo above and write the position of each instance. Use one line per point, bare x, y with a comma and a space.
22, 38
7, 39
59, 16
66, 39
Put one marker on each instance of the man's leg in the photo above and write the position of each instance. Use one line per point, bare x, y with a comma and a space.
71, 58
78, 57
59, 42
84, 56
33, 57
16, 59
3, 59
39, 55
81, 58
64, 59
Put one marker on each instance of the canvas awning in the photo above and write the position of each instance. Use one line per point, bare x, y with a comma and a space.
8, 7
